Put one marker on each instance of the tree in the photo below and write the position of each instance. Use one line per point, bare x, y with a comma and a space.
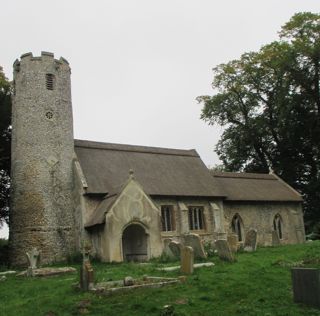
5, 146
269, 103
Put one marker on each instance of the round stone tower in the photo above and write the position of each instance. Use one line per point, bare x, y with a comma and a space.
42, 213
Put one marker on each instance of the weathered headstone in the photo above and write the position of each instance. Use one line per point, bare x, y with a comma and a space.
194, 241
233, 242
250, 242
175, 247
187, 260
166, 249
86, 270
306, 286
33, 257
275, 238
223, 250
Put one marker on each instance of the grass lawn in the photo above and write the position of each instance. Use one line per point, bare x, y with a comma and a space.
257, 284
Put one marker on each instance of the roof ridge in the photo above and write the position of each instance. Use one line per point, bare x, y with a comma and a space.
244, 175
135, 148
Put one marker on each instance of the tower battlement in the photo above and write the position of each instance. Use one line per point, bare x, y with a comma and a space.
45, 57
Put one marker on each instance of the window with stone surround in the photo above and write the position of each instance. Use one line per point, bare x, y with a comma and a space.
196, 218
277, 225
237, 226
167, 218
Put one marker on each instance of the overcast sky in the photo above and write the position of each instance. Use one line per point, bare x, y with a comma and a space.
138, 65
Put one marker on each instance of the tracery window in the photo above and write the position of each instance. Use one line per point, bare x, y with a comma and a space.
278, 226
237, 226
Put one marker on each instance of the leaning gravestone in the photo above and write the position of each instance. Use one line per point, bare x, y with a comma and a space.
33, 257
223, 250
187, 260
306, 286
250, 242
175, 247
166, 249
275, 238
233, 242
194, 241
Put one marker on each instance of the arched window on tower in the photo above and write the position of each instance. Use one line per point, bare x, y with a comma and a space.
237, 226
278, 225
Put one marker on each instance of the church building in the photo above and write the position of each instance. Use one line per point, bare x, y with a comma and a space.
125, 200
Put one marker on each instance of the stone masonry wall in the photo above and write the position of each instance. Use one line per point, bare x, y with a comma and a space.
260, 216
181, 218
42, 213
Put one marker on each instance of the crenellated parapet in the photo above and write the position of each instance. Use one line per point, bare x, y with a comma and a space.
45, 57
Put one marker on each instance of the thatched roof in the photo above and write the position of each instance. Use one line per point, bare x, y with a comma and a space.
255, 187
160, 171
172, 172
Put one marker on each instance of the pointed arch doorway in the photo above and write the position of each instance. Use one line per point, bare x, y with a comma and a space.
135, 243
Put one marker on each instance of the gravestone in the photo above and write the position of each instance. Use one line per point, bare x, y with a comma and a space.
275, 238
306, 286
33, 257
223, 250
194, 241
250, 242
233, 242
175, 248
86, 270
187, 260
166, 249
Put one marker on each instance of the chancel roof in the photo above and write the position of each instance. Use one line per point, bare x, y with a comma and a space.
160, 171
255, 187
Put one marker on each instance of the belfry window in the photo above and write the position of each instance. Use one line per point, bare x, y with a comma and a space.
237, 226
50, 80
196, 218
167, 219
278, 226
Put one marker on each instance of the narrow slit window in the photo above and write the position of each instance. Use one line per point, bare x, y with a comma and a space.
277, 225
50, 81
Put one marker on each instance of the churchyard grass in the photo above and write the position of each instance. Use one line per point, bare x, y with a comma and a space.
258, 283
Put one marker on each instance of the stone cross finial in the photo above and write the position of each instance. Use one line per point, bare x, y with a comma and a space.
131, 174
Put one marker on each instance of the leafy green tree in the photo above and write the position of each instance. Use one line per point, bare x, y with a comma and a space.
269, 103
5, 146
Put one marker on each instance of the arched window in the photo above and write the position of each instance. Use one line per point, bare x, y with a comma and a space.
277, 225
237, 226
